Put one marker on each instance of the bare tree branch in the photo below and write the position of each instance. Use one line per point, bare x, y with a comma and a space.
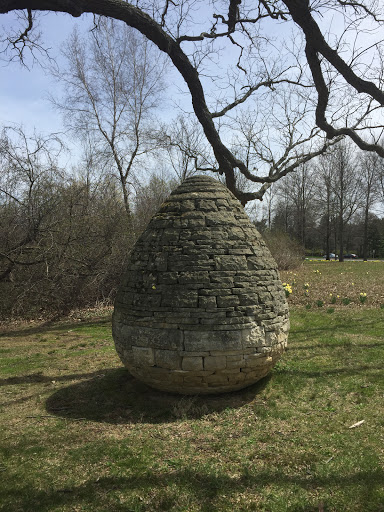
235, 18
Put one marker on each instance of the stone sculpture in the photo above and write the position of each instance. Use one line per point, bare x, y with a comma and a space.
201, 308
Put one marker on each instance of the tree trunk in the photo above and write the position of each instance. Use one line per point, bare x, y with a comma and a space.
328, 233
341, 238
365, 240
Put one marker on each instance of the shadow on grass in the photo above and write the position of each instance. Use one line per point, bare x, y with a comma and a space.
114, 396
203, 487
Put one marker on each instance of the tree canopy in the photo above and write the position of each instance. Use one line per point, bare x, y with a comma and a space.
314, 84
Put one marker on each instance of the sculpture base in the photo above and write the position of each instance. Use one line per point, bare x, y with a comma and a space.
236, 359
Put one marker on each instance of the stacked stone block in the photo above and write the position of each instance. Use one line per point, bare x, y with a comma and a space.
201, 308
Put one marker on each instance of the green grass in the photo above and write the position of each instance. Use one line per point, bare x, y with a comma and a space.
80, 434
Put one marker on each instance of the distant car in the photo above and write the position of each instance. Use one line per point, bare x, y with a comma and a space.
331, 255
351, 256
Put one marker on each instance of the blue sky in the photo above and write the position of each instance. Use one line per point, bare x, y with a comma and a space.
23, 92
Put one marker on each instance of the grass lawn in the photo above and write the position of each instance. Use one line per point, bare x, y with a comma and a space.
79, 434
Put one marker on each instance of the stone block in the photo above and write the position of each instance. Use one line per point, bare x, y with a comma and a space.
230, 262
224, 301
215, 362
195, 341
248, 299
202, 234
193, 380
210, 314
237, 314
143, 356
192, 363
217, 379
221, 281
248, 369
213, 290
167, 359
270, 338
198, 373
237, 377
257, 360
168, 277
201, 277
172, 339
231, 327
235, 361
250, 374
255, 263
254, 337
183, 353
236, 233
227, 371
220, 218
225, 353
264, 350
148, 300
206, 205
178, 296
247, 251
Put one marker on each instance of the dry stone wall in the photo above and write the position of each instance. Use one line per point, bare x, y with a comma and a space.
201, 308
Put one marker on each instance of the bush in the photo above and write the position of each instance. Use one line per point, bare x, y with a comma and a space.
73, 259
287, 252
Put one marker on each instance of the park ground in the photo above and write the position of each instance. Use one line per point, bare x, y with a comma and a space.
80, 434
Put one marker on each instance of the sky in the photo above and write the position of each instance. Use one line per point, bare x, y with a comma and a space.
23, 92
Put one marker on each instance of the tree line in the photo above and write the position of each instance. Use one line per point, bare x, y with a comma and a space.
272, 120
334, 205
65, 234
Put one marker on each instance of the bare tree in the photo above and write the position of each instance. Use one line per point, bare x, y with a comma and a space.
64, 237
296, 202
186, 152
369, 180
345, 184
112, 89
326, 198
342, 73
148, 199
29, 175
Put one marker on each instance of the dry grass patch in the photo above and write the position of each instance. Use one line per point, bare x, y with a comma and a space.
336, 284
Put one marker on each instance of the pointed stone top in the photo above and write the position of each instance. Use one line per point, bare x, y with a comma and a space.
201, 183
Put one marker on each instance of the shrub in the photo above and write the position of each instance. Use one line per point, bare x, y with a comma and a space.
287, 252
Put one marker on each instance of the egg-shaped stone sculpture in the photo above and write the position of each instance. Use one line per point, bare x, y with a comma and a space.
201, 308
